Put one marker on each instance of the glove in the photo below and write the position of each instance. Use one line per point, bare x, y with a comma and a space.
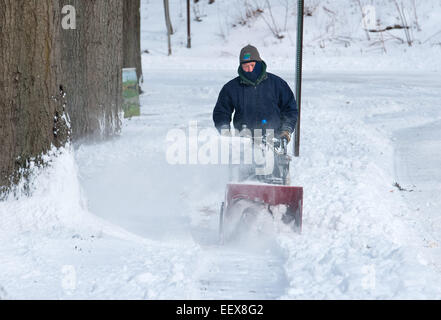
286, 135
225, 131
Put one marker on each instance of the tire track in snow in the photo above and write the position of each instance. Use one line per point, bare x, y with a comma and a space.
251, 267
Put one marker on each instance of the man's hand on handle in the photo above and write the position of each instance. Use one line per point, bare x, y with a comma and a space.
285, 135
224, 130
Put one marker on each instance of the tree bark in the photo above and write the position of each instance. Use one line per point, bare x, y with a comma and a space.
31, 102
132, 36
90, 68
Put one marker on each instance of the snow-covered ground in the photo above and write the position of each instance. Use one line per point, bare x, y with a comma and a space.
334, 39
115, 221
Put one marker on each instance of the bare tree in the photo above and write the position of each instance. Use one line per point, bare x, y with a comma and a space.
270, 21
416, 15
403, 19
363, 19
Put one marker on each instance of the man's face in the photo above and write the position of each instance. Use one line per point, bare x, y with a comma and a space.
248, 67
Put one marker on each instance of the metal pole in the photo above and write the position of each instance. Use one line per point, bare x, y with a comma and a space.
299, 66
168, 24
188, 25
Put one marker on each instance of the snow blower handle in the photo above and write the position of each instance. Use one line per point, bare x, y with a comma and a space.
284, 145
264, 123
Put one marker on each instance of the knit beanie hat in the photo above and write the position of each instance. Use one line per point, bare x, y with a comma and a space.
249, 54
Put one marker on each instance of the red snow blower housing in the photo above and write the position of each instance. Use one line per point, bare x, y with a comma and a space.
264, 191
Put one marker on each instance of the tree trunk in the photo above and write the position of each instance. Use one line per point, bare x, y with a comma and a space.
46, 70
31, 103
91, 65
132, 36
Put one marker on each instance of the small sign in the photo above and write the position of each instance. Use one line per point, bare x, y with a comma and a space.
131, 105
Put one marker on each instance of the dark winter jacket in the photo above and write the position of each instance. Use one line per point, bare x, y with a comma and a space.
266, 103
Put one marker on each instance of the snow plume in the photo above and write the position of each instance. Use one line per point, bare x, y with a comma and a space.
49, 200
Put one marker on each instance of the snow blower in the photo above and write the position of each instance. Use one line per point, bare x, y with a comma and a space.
262, 193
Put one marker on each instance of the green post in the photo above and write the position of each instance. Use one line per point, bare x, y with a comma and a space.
131, 105
300, 14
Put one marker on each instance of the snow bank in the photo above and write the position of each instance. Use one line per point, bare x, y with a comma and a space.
360, 239
54, 248
53, 202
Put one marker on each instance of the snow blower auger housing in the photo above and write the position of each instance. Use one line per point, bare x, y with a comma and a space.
268, 191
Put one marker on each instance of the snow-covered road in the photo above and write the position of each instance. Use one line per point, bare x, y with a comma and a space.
129, 182
358, 228
152, 231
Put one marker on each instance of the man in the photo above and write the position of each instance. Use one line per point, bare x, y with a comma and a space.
260, 100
